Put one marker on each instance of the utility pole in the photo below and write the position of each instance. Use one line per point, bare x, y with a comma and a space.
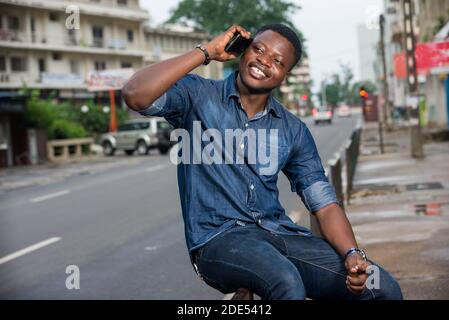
416, 142
323, 93
386, 106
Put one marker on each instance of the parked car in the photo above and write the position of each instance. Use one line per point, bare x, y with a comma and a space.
139, 135
343, 111
322, 114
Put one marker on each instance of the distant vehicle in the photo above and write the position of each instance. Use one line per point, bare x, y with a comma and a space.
322, 114
343, 111
139, 135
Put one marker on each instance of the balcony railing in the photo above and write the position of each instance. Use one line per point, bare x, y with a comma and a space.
4, 77
9, 35
98, 43
68, 41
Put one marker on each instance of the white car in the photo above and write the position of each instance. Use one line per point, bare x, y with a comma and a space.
322, 115
343, 111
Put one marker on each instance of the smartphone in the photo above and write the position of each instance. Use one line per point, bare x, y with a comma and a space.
238, 44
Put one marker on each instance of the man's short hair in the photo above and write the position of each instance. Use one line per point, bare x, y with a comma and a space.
287, 33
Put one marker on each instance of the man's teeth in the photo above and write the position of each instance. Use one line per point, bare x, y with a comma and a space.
258, 71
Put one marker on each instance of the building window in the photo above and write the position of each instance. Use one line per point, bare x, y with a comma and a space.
2, 63
54, 16
57, 56
13, 23
74, 67
41, 63
97, 34
127, 65
100, 65
122, 2
130, 35
18, 64
33, 24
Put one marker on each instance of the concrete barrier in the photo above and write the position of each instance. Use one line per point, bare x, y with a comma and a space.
67, 149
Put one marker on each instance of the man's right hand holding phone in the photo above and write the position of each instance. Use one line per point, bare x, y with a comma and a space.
216, 47
149, 83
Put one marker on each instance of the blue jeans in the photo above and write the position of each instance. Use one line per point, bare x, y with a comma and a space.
285, 267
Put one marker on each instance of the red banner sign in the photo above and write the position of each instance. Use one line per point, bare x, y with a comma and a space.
428, 56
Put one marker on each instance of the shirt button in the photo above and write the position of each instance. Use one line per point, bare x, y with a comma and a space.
246, 125
251, 187
259, 221
242, 146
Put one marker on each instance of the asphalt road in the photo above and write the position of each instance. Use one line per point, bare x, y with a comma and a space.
121, 227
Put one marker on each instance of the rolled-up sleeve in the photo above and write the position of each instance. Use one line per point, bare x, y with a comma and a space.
306, 173
176, 102
318, 195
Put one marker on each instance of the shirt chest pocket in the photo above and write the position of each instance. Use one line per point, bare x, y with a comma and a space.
271, 156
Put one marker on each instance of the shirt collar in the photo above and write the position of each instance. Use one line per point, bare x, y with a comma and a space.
230, 90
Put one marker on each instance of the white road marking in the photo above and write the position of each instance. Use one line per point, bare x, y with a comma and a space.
29, 249
50, 196
155, 168
152, 248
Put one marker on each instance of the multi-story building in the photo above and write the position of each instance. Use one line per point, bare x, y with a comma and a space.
428, 17
394, 44
37, 48
169, 41
432, 16
296, 88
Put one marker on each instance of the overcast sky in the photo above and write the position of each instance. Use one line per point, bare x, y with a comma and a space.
330, 27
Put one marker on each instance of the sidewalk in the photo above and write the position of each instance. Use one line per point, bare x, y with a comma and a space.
400, 212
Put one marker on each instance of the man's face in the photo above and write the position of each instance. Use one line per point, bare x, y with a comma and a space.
266, 62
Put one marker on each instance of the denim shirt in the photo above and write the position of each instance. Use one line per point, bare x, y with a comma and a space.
218, 196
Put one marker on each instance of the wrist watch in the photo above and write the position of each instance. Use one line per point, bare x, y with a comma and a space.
358, 251
206, 54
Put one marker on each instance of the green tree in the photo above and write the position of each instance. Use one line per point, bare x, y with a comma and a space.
333, 91
65, 129
95, 120
339, 87
215, 16
62, 120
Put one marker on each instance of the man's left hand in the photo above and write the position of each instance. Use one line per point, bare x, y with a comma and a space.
356, 279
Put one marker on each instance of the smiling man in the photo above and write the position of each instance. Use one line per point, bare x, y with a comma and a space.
237, 232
